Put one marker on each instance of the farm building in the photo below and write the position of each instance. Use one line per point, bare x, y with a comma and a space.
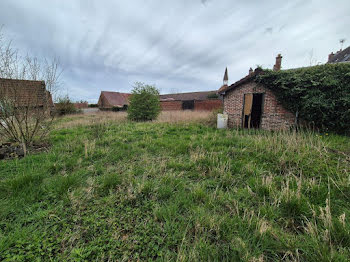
26, 93
81, 105
208, 101
252, 105
113, 100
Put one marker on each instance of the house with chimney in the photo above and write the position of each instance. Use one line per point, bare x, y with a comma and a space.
251, 105
341, 56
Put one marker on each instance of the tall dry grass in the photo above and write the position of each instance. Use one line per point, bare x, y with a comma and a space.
183, 116
102, 117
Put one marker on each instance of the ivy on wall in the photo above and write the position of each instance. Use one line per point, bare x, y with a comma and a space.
319, 95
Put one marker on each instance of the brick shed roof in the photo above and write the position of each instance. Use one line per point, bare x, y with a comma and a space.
187, 96
116, 99
342, 56
25, 92
245, 79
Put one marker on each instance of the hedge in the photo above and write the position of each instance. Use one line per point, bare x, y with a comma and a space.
319, 95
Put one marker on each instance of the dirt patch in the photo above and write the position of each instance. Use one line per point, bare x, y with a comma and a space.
14, 150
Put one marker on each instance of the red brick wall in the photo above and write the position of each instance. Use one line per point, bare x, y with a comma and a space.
81, 105
208, 105
274, 115
102, 103
171, 105
199, 105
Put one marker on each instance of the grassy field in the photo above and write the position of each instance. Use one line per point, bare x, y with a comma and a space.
174, 190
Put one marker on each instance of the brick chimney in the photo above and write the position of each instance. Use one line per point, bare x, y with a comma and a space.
250, 71
277, 66
330, 56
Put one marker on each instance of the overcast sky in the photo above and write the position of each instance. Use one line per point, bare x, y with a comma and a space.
177, 45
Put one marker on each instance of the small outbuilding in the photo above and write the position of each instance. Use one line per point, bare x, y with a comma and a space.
249, 104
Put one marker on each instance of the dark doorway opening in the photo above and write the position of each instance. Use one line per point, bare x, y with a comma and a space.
256, 111
188, 105
252, 110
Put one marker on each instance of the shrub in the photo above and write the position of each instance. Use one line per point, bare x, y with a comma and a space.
212, 120
23, 120
144, 103
213, 96
319, 94
65, 106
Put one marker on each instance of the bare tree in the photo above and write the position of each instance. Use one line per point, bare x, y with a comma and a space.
25, 112
12, 66
52, 74
25, 109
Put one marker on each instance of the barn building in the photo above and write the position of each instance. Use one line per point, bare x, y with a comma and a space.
201, 101
26, 94
252, 105
113, 101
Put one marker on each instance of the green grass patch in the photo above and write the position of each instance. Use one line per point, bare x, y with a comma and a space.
188, 192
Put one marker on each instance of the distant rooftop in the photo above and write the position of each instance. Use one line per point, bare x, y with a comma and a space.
340, 57
187, 96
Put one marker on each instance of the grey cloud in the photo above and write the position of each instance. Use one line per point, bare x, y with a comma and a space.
269, 30
177, 45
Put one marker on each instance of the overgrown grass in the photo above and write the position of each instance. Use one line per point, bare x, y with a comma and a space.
115, 190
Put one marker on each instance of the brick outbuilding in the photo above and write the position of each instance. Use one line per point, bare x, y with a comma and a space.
252, 105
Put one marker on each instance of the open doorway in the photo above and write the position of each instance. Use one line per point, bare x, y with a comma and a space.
188, 105
252, 110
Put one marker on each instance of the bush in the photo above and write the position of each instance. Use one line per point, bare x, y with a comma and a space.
212, 120
319, 94
65, 106
213, 96
144, 103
